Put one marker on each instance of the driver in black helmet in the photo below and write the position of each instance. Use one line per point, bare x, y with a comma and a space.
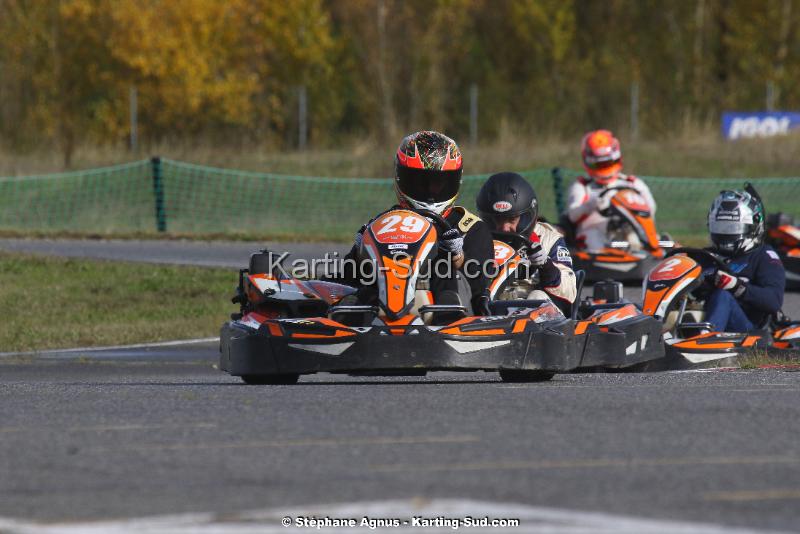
751, 287
428, 169
508, 202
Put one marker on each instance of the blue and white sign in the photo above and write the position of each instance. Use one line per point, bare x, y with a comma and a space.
747, 125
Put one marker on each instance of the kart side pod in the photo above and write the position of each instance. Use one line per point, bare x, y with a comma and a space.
668, 283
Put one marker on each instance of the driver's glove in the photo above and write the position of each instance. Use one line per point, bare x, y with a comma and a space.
537, 255
480, 304
452, 242
728, 282
603, 200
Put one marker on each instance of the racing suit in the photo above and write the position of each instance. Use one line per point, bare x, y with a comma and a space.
478, 247
591, 228
556, 277
757, 294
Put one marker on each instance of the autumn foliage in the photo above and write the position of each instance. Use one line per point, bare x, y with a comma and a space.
228, 71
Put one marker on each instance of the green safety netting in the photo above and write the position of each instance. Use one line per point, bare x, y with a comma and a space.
106, 201
682, 203
165, 195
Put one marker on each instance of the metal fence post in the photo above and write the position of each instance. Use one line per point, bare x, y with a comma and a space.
473, 114
158, 193
635, 111
558, 190
134, 118
302, 117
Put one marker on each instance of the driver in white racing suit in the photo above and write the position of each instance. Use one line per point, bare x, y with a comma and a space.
508, 203
602, 159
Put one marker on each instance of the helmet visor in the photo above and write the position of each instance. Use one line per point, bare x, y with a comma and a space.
425, 185
599, 164
731, 228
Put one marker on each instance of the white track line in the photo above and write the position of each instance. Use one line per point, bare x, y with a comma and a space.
175, 343
533, 519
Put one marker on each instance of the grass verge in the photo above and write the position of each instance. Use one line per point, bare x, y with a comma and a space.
758, 359
171, 236
59, 303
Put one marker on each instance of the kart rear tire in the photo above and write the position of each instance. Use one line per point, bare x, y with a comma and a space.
270, 380
517, 375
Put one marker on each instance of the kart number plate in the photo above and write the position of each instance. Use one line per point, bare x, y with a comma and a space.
400, 227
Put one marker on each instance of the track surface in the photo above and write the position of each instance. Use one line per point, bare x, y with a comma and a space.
206, 253
139, 432
119, 435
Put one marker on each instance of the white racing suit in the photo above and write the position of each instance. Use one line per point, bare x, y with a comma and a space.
591, 228
556, 277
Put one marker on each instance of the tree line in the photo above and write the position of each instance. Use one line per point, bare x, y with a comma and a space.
230, 71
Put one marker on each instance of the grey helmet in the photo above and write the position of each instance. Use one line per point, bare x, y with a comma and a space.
736, 222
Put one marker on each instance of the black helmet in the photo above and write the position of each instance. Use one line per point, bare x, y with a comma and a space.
428, 170
736, 222
507, 194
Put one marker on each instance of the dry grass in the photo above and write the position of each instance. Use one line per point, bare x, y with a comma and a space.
57, 303
761, 358
694, 152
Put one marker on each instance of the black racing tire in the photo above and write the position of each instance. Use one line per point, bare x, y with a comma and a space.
260, 263
270, 380
519, 375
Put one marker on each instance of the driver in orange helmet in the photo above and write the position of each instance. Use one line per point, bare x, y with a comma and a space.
602, 160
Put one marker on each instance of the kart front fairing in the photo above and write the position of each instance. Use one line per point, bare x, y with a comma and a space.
540, 338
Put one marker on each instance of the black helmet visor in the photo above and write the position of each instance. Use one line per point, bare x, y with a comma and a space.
427, 185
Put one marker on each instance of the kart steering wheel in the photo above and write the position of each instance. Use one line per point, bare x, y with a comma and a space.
513, 239
440, 222
607, 211
699, 255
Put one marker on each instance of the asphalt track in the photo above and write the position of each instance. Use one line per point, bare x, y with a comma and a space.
132, 433
125, 434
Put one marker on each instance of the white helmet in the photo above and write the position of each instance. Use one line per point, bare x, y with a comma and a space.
736, 222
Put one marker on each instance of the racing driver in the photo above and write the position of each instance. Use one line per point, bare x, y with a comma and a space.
428, 168
750, 289
602, 160
509, 204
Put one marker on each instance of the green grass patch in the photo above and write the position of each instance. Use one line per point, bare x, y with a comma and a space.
59, 303
760, 358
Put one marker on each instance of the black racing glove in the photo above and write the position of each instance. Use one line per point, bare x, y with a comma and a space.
549, 275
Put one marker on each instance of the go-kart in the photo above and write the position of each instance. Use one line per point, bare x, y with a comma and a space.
617, 334
784, 236
673, 293
633, 246
288, 327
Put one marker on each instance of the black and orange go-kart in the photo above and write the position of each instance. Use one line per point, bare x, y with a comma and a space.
673, 293
633, 246
784, 236
288, 327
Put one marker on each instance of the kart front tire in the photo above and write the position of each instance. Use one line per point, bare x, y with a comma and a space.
270, 380
517, 375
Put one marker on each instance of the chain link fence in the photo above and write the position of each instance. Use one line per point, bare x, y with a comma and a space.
162, 195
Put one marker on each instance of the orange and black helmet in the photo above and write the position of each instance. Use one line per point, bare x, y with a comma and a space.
602, 156
428, 171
